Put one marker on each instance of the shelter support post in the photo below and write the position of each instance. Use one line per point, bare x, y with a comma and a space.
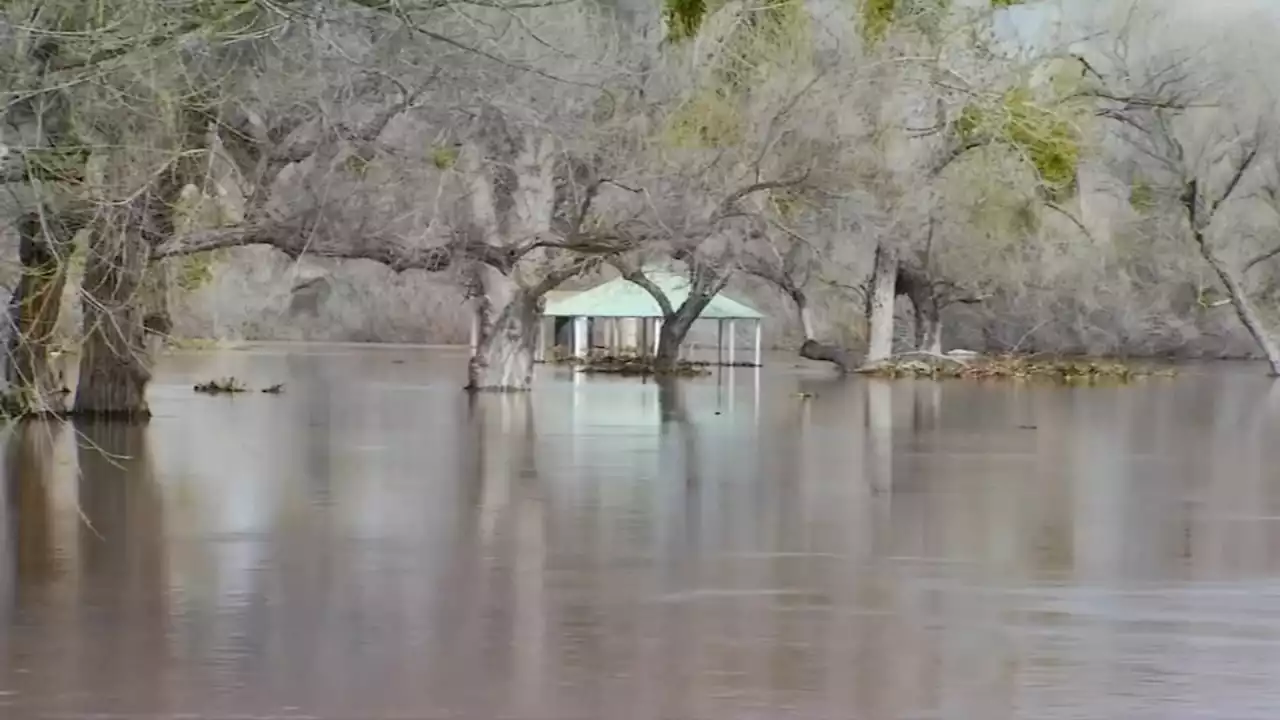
474, 343
720, 342
630, 334
580, 337
540, 353
733, 341
759, 338
657, 334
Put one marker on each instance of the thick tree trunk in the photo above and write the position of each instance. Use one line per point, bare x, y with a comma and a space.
157, 318
508, 336
677, 323
115, 366
812, 348
1245, 309
929, 331
676, 327
35, 386
880, 305
915, 283
672, 336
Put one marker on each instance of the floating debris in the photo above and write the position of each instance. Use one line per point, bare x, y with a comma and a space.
225, 386
274, 389
637, 366
634, 364
1014, 367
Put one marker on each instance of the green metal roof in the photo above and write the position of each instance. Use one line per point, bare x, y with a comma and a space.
622, 298
555, 296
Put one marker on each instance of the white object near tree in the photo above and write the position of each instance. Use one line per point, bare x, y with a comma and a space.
759, 337
657, 334
475, 330
733, 341
630, 334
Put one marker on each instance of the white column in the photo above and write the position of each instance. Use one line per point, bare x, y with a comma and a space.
580, 337
733, 341
759, 337
475, 331
631, 334
540, 353
720, 341
657, 334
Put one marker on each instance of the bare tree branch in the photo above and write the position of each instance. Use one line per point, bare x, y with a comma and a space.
635, 274
1261, 258
1242, 168
726, 207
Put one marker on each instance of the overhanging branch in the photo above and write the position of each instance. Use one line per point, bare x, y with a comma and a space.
726, 207
1241, 169
1259, 259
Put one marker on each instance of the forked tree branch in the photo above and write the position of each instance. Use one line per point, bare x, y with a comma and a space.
635, 274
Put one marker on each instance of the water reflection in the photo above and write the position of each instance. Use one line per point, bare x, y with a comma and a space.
29, 461
123, 570
375, 544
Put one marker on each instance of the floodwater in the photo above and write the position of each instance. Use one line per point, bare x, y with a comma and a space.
761, 546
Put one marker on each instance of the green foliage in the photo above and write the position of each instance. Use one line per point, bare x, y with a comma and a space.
444, 157
1006, 3
711, 115
1142, 196
1046, 137
777, 33
195, 271
98, 31
788, 203
684, 17
708, 119
356, 165
56, 164
877, 18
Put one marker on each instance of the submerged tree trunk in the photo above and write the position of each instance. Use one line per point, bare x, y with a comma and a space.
914, 282
929, 330
508, 333
115, 366
704, 286
880, 305
675, 329
678, 321
1245, 309
35, 386
812, 348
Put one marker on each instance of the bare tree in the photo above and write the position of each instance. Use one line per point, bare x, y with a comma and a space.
132, 208
44, 246
744, 121
955, 103
1199, 131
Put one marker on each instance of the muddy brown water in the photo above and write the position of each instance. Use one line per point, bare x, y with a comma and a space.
772, 545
